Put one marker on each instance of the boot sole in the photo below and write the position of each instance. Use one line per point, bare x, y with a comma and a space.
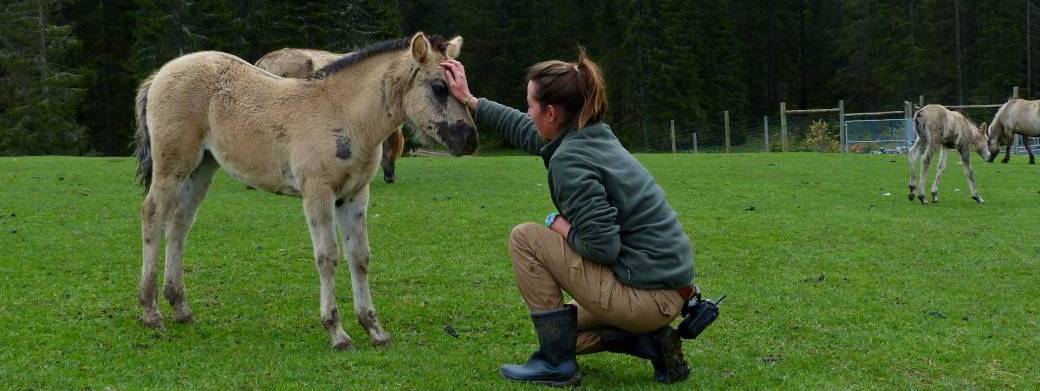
572, 382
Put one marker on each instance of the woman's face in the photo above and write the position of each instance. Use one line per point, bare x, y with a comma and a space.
544, 117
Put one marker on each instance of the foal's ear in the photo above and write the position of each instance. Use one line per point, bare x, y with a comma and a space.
454, 47
420, 47
983, 128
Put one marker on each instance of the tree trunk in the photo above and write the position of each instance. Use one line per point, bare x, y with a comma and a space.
41, 25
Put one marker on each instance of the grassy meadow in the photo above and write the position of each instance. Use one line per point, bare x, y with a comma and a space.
834, 280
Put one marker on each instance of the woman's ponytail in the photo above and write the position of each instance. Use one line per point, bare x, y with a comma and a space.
595, 90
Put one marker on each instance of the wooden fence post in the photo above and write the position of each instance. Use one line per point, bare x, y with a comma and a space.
765, 122
725, 115
673, 135
841, 126
783, 126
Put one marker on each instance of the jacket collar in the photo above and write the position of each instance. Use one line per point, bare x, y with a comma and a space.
550, 148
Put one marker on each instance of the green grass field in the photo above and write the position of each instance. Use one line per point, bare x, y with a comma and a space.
834, 280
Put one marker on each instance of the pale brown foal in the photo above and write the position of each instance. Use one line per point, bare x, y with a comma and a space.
300, 64
939, 128
1017, 116
318, 138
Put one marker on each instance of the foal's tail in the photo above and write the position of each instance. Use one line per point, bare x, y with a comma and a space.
920, 126
142, 139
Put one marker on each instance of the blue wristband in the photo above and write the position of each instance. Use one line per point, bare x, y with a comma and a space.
550, 219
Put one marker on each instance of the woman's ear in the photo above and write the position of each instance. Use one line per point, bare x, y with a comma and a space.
555, 115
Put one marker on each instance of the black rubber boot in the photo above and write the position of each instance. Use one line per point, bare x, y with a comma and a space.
553, 363
662, 347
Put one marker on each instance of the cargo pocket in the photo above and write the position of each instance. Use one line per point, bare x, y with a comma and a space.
666, 303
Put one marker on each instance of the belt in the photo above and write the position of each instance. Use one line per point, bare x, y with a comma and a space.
691, 291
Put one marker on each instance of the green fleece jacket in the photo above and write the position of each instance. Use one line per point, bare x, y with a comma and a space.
619, 216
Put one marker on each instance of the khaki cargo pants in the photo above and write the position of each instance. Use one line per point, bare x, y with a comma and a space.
545, 263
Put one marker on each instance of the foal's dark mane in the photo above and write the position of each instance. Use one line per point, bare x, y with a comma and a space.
437, 42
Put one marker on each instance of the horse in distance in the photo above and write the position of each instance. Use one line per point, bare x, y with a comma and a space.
940, 128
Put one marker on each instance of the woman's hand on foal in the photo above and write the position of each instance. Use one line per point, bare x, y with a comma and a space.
455, 73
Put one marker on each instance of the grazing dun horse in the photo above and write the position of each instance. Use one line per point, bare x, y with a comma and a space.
301, 63
317, 138
939, 128
1017, 116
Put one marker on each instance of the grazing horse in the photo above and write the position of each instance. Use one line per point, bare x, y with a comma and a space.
939, 128
301, 63
1017, 116
318, 138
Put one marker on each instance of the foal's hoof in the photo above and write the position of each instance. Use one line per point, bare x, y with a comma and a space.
342, 344
921, 197
184, 319
152, 321
381, 339
977, 199
910, 196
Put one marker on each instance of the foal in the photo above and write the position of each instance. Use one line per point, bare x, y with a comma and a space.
939, 128
318, 138
1016, 116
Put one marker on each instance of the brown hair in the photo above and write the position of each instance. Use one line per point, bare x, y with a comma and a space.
575, 87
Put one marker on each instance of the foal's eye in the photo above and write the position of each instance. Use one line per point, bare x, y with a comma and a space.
440, 88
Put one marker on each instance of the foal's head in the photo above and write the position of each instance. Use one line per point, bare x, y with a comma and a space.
996, 139
427, 101
981, 143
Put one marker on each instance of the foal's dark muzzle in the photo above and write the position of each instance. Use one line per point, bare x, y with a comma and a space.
460, 137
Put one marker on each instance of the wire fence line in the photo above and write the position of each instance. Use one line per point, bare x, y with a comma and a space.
886, 131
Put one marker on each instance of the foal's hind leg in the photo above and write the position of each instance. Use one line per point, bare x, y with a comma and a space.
938, 174
922, 180
1025, 143
192, 192
387, 162
915, 156
352, 217
157, 205
156, 212
318, 206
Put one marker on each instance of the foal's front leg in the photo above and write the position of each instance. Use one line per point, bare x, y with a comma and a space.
968, 172
1007, 152
318, 207
352, 217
